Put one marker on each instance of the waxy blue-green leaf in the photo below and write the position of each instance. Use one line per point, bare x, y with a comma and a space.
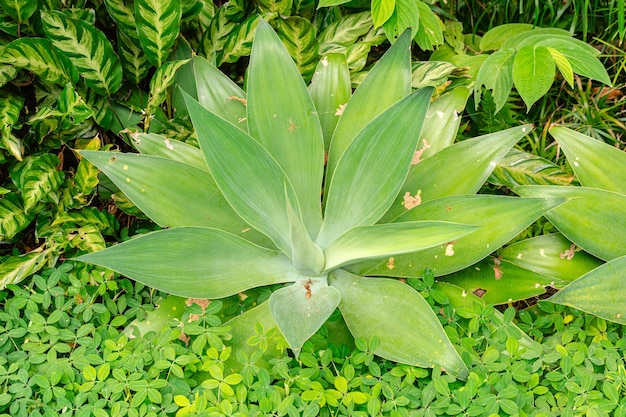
595, 163
19, 10
298, 37
249, 178
500, 219
551, 255
385, 240
387, 82
196, 262
302, 308
522, 168
533, 73
219, 94
593, 219
330, 90
496, 74
123, 13
159, 186
405, 324
495, 37
15, 269
158, 25
87, 48
157, 145
600, 292
306, 256
134, 61
13, 217
39, 56
501, 282
373, 168
281, 117
459, 169
10, 108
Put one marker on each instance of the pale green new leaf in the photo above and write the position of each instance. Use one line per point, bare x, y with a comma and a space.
330, 90
600, 292
17, 268
281, 117
495, 37
123, 13
384, 240
458, 169
10, 108
581, 56
593, 219
87, 48
158, 25
382, 11
373, 168
551, 255
596, 164
496, 74
533, 73
195, 262
157, 145
134, 61
219, 94
387, 82
13, 217
522, 168
386, 308
171, 193
246, 174
500, 219
19, 10
39, 56
298, 37
406, 15
302, 308
430, 32
565, 68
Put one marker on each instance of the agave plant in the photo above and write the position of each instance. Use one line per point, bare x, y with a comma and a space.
316, 189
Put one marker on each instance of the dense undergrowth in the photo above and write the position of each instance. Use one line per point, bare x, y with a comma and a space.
81, 340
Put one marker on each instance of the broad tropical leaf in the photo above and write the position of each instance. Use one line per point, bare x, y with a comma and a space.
533, 73
600, 292
104, 222
593, 219
298, 37
522, 168
382, 10
123, 12
430, 31
161, 80
405, 15
13, 217
281, 117
157, 145
496, 74
595, 163
495, 37
87, 48
550, 255
134, 61
385, 308
347, 30
500, 219
10, 108
158, 25
239, 41
38, 179
17, 268
302, 308
373, 167
209, 263
39, 56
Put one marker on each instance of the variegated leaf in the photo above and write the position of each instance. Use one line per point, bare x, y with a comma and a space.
298, 36
522, 168
214, 40
239, 42
38, 179
10, 108
87, 48
90, 216
17, 268
158, 25
39, 56
161, 80
13, 217
134, 61
122, 11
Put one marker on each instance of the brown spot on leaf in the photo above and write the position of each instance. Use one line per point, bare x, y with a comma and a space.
239, 99
569, 253
479, 292
498, 273
307, 287
417, 156
391, 263
410, 201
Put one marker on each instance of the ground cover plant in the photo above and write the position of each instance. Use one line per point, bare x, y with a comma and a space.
175, 82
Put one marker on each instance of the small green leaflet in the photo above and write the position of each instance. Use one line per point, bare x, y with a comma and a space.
19, 10
158, 25
382, 11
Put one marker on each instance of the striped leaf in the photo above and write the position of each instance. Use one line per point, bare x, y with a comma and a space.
158, 25
105, 222
19, 10
7, 73
522, 168
10, 108
214, 39
88, 49
134, 61
163, 77
17, 268
298, 36
8, 24
38, 179
13, 217
239, 42
123, 12
40, 57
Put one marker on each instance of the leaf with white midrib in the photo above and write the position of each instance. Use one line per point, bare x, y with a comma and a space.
158, 25
88, 49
